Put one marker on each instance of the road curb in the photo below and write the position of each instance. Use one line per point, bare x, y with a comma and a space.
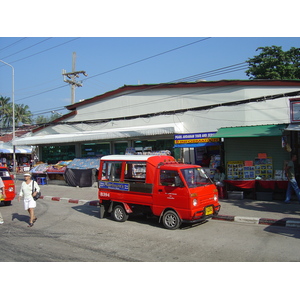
260, 221
238, 219
70, 200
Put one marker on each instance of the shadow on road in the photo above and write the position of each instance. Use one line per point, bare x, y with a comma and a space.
293, 232
21, 218
140, 218
88, 210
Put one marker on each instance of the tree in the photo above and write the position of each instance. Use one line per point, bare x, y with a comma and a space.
22, 113
4, 110
44, 120
274, 63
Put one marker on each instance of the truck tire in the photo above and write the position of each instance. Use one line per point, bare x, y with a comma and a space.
119, 214
7, 203
171, 220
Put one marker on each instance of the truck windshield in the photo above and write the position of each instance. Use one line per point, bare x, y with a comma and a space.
195, 177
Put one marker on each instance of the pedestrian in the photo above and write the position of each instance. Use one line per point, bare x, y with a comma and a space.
219, 176
29, 189
2, 196
292, 184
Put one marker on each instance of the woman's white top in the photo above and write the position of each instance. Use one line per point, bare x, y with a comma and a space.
26, 189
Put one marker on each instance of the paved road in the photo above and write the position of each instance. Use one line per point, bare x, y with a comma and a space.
73, 232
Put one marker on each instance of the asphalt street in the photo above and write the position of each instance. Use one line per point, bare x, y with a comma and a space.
246, 210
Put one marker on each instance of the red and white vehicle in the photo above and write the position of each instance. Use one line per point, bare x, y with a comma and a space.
9, 186
158, 185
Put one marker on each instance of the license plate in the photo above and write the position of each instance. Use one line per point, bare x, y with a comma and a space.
209, 210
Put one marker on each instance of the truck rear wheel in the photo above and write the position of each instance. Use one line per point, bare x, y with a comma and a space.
119, 214
171, 220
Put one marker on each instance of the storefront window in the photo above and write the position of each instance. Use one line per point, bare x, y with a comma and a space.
54, 154
93, 150
120, 148
155, 145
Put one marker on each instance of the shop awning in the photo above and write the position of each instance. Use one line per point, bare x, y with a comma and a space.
251, 131
108, 134
24, 150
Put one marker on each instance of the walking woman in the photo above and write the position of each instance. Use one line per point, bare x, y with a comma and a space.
29, 188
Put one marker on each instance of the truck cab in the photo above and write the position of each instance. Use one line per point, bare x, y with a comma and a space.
156, 184
9, 186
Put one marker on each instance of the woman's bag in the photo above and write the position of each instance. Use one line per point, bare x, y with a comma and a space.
38, 194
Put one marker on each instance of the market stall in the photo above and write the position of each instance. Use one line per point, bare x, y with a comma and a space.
82, 172
39, 174
56, 172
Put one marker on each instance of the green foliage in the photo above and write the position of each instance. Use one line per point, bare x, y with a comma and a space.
22, 113
274, 63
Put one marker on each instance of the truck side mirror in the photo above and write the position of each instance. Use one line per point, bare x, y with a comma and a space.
178, 182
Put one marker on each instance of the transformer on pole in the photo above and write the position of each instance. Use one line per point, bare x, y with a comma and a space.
71, 78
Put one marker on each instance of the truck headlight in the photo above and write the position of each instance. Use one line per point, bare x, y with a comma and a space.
10, 189
195, 202
215, 197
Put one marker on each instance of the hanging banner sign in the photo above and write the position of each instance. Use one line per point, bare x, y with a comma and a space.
192, 138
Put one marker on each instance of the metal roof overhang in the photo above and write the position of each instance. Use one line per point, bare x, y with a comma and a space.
293, 127
108, 134
251, 131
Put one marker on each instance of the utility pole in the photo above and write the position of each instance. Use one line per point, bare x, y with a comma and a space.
71, 78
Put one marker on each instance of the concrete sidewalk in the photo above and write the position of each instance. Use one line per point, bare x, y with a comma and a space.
247, 211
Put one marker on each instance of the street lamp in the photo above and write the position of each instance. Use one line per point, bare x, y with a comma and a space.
13, 111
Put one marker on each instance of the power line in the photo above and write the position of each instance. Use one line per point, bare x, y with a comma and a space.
135, 62
10, 45
45, 50
28, 47
212, 73
150, 57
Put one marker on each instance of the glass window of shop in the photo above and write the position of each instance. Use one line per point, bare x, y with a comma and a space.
93, 149
120, 148
155, 145
54, 154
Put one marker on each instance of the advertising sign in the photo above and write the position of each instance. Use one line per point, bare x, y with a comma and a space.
192, 138
114, 185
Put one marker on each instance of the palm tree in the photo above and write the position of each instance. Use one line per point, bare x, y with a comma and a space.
22, 113
5, 109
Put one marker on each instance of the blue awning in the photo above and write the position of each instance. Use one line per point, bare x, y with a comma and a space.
196, 145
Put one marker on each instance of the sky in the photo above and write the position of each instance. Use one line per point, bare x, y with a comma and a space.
116, 45
111, 62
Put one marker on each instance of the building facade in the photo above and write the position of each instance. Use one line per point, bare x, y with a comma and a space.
184, 118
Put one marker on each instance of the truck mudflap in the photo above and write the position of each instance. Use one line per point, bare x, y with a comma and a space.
202, 215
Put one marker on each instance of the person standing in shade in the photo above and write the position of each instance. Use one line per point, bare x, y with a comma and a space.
2, 195
292, 185
28, 189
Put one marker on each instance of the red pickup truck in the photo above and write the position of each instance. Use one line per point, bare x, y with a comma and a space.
158, 185
9, 186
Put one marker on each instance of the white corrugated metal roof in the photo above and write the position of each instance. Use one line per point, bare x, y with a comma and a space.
108, 134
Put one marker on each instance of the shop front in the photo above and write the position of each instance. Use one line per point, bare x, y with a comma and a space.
254, 158
201, 149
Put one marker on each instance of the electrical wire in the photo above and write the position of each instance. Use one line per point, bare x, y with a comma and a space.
129, 64
44, 50
10, 45
38, 43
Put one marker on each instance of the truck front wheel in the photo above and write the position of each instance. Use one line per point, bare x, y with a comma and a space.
171, 220
119, 214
